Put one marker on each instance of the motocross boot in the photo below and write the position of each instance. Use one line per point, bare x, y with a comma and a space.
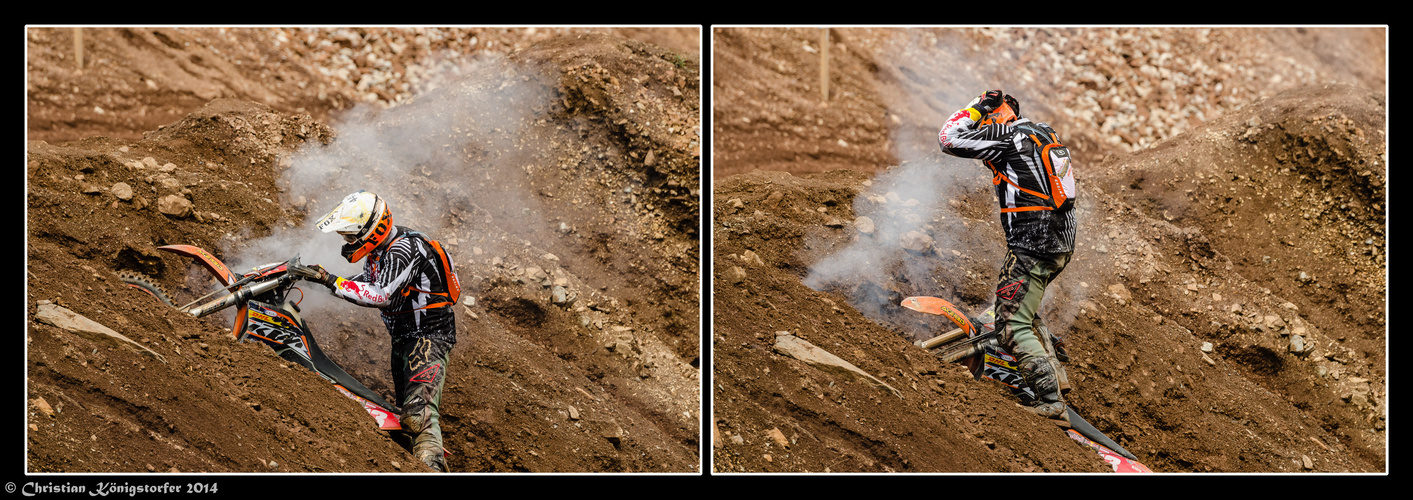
427, 445
1056, 347
430, 454
1040, 374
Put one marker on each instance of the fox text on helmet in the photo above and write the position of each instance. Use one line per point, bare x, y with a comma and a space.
363, 219
351, 214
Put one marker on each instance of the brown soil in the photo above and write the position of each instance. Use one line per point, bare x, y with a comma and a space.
1259, 227
574, 152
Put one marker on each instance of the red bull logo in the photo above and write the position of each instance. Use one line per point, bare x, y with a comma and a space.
360, 291
942, 135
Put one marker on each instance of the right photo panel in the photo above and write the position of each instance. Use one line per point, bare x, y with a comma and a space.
1060, 249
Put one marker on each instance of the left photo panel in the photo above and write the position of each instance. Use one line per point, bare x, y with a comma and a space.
274, 250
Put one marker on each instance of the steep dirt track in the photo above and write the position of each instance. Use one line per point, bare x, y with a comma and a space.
1225, 309
566, 167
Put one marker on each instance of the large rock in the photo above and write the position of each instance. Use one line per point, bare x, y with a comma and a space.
534, 274
916, 241
736, 275
43, 406
802, 350
55, 315
122, 190
169, 183
1120, 292
779, 437
559, 295
175, 206
864, 225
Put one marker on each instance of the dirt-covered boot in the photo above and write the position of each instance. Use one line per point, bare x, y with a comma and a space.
1055, 344
1039, 374
431, 455
422, 424
1056, 347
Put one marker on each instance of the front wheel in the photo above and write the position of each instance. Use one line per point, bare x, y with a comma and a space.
142, 282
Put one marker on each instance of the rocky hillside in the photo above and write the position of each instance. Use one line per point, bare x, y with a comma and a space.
1225, 309
562, 172
1110, 90
132, 80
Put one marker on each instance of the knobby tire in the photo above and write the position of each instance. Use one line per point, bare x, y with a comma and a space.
146, 284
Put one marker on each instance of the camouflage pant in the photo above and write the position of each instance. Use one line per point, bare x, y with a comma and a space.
419, 368
1024, 276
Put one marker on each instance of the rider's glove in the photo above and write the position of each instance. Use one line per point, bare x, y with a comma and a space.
988, 102
316, 273
325, 277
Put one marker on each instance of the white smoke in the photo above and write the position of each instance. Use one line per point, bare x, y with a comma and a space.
922, 195
435, 159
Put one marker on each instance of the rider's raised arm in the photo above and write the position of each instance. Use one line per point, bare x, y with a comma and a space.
962, 137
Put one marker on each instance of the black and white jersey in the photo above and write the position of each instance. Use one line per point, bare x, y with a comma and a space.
402, 280
1010, 151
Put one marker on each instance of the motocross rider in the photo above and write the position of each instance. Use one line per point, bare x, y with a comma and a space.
404, 279
1039, 235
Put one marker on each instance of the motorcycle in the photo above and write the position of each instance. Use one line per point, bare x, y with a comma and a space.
975, 344
267, 314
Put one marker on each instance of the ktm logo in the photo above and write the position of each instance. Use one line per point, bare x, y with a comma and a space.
428, 375
1010, 291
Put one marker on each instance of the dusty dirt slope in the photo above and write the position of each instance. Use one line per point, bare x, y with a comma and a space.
548, 161
1225, 309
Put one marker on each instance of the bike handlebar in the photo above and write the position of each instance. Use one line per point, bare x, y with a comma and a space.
239, 295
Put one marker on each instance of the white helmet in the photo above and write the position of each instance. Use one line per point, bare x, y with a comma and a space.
364, 221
